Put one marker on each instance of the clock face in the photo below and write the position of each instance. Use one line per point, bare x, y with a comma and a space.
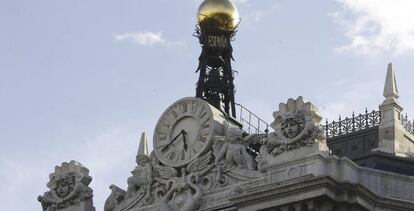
184, 131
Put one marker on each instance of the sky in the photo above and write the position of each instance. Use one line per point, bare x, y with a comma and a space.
82, 79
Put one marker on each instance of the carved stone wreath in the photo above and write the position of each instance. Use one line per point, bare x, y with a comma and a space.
296, 124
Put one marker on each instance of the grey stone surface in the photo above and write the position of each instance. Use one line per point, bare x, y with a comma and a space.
69, 189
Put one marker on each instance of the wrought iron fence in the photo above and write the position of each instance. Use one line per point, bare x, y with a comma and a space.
252, 124
407, 124
353, 124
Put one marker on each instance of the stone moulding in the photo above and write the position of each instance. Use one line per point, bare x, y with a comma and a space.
330, 177
313, 180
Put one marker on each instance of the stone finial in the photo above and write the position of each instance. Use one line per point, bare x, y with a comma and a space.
143, 145
68, 189
142, 154
390, 87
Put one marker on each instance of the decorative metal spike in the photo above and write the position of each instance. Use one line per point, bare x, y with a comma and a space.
412, 127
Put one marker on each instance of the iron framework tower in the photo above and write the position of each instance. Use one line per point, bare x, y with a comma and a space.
215, 83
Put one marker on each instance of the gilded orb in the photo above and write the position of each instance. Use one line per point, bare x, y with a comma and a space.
222, 14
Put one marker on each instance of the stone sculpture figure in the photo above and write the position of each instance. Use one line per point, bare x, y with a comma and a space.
293, 125
142, 175
182, 197
232, 151
68, 188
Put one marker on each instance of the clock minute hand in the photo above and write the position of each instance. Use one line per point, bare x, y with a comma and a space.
172, 141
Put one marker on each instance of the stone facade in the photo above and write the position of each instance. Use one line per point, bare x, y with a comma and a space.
293, 170
290, 168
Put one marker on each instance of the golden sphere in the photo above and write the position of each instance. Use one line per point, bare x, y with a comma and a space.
223, 14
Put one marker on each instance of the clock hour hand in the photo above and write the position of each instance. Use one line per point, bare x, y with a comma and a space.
185, 142
172, 141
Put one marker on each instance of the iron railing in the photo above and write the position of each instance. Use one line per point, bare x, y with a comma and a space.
407, 124
252, 124
353, 124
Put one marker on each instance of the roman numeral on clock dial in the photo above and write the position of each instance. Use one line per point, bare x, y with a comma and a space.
171, 154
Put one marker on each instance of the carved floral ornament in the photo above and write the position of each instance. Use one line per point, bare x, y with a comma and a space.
68, 187
296, 124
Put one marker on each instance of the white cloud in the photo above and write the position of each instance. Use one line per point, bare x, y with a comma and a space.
377, 26
145, 39
141, 38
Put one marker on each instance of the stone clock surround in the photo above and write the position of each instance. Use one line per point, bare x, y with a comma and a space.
201, 123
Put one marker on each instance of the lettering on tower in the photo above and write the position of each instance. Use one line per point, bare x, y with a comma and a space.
217, 41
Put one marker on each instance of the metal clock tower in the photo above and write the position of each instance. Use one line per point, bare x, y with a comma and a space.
216, 28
